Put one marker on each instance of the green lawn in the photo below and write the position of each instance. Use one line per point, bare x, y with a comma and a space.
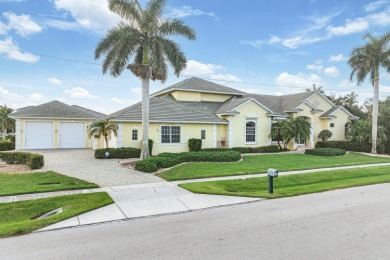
292, 185
12, 184
260, 163
17, 218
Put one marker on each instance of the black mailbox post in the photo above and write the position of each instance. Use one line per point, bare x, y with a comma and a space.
272, 173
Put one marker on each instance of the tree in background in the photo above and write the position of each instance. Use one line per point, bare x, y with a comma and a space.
144, 36
367, 60
6, 124
103, 128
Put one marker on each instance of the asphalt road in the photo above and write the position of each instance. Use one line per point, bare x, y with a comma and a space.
342, 224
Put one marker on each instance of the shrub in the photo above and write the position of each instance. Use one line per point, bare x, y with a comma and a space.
166, 160
260, 149
34, 161
10, 138
216, 149
346, 145
325, 135
146, 165
118, 153
150, 145
326, 151
380, 149
195, 145
6, 146
271, 149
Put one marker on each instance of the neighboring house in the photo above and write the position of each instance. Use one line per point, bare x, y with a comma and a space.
224, 117
53, 125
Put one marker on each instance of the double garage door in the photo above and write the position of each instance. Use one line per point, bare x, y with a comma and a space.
40, 135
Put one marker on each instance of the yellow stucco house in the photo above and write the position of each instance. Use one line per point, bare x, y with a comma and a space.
223, 117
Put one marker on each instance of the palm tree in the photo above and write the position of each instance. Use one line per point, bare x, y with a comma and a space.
6, 123
103, 128
294, 128
143, 36
315, 88
367, 60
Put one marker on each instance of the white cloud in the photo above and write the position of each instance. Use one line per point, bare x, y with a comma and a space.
256, 44
10, 49
195, 68
347, 84
332, 71
79, 93
295, 42
15, 100
186, 11
278, 93
136, 90
22, 24
375, 5
337, 58
351, 26
121, 101
225, 77
380, 19
300, 80
88, 14
54, 81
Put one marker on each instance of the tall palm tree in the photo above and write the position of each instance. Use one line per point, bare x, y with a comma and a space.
6, 123
315, 88
144, 36
103, 128
367, 60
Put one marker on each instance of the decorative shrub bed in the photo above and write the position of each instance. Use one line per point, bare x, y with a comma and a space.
118, 153
346, 145
326, 152
260, 149
166, 160
195, 145
33, 160
6, 146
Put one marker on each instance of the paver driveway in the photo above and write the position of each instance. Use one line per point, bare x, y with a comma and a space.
81, 164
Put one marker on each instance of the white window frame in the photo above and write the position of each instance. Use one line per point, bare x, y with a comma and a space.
132, 134
170, 135
298, 143
254, 134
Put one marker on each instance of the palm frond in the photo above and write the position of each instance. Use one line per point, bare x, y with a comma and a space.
129, 10
177, 27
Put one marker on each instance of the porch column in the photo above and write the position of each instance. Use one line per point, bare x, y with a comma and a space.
312, 133
230, 132
119, 138
17, 134
214, 136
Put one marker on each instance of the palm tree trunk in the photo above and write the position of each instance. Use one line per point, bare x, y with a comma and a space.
375, 113
105, 139
145, 116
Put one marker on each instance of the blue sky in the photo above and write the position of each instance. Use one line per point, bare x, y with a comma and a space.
267, 47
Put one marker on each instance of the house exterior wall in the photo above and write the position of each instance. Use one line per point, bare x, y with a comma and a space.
56, 122
250, 112
198, 96
320, 102
338, 131
187, 131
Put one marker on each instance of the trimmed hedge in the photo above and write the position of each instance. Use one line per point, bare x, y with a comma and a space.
33, 160
166, 160
326, 152
260, 149
118, 153
6, 146
195, 145
10, 138
346, 145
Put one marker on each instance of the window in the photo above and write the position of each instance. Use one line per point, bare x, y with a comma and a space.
203, 134
347, 129
331, 124
170, 134
134, 135
300, 141
250, 132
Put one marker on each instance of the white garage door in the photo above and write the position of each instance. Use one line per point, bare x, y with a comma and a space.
39, 135
72, 135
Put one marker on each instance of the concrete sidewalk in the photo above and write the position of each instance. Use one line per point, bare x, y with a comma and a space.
150, 199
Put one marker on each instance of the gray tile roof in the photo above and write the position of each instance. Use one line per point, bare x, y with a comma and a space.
56, 109
167, 109
199, 85
231, 104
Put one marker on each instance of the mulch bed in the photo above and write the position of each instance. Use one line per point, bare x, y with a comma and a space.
14, 168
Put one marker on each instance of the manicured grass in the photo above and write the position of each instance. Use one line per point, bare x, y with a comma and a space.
17, 218
12, 184
292, 185
260, 163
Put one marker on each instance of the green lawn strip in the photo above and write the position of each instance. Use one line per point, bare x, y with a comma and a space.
16, 217
293, 185
13, 184
252, 164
